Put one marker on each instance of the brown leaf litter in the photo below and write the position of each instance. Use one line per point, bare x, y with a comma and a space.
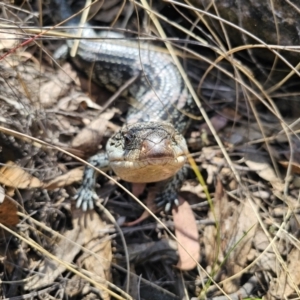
244, 239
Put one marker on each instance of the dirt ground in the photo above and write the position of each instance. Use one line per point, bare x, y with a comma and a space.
235, 234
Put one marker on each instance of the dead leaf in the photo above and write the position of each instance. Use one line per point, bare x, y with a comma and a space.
232, 244
137, 190
186, 232
8, 212
217, 121
99, 264
291, 201
268, 262
14, 176
295, 166
288, 280
50, 91
231, 114
243, 134
140, 219
241, 230
75, 100
90, 137
259, 164
74, 175
194, 188
66, 249
9, 39
2, 194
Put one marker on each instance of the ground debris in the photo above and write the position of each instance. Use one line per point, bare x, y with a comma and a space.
241, 226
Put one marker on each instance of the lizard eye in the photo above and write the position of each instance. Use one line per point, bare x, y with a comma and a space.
128, 138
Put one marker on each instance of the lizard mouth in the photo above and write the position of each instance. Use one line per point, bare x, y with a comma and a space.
147, 152
147, 170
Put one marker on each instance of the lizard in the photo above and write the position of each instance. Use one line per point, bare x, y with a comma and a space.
150, 147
